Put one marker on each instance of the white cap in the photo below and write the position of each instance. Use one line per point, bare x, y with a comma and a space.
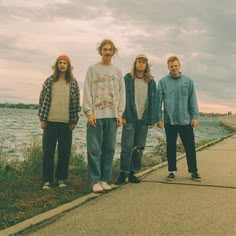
141, 56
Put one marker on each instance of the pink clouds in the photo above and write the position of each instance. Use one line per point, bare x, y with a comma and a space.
214, 108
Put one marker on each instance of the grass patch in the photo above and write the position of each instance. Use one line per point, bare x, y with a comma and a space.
20, 185
20, 182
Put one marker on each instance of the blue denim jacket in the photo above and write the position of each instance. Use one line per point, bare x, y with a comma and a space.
150, 112
179, 99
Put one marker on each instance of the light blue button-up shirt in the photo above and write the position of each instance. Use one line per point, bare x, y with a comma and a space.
178, 97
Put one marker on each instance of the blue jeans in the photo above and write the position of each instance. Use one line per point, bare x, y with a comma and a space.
101, 143
133, 142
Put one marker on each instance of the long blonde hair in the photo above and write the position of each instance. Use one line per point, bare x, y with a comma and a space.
147, 72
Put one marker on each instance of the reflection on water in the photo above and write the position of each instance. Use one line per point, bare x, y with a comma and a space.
19, 126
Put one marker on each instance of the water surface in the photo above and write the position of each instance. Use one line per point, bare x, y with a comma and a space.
19, 126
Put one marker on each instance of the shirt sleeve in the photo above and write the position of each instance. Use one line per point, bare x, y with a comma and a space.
159, 101
121, 106
193, 106
41, 98
87, 93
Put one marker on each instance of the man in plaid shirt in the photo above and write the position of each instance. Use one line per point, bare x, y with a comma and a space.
59, 106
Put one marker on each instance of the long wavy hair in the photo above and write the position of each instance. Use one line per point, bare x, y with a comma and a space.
147, 72
68, 75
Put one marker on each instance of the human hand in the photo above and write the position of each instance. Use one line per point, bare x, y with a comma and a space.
92, 120
123, 121
194, 123
43, 124
119, 121
160, 124
71, 126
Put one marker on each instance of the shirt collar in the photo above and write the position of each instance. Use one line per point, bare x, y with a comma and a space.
180, 74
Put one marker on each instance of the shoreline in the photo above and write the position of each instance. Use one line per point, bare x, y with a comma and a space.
228, 121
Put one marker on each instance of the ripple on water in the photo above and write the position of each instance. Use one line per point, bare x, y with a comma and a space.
19, 126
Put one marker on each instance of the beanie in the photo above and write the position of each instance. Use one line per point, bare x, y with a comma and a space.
63, 57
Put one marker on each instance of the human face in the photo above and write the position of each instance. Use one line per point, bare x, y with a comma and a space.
141, 65
106, 53
62, 66
174, 68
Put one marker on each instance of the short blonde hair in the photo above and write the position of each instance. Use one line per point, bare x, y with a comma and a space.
172, 58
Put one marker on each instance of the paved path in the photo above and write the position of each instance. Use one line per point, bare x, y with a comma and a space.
157, 207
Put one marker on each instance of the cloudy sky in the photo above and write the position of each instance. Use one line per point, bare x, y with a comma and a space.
201, 33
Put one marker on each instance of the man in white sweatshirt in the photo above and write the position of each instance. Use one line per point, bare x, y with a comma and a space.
103, 103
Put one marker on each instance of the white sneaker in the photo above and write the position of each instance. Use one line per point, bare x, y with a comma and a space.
105, 186
97, 188
46, 185
61, 184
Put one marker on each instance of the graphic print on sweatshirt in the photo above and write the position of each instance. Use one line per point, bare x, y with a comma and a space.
107, 92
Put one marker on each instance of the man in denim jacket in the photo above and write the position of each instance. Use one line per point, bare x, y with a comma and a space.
177, 94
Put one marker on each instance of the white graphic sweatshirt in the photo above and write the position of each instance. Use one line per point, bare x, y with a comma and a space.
104, 91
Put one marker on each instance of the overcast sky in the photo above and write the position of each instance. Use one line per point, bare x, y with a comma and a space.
202, 33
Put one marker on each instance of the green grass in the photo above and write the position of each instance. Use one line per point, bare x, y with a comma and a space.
20, 182
20, 185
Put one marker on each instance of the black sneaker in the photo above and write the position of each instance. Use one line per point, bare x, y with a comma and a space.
121, 179
170, 177
133, 179
196, 177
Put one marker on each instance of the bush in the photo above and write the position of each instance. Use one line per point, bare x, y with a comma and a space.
78, 163
8, 169
32, 154
3, 156
32, 164
77, 158
160, 148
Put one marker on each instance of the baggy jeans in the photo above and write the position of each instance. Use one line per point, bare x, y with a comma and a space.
187, 137
133, 141
61, 133
101, 143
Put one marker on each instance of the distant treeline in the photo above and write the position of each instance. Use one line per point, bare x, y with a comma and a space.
19, 106
214, 114
35, 106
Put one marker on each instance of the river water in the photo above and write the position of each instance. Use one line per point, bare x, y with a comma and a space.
20, 126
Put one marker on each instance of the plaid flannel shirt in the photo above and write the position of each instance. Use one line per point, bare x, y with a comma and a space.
45, 101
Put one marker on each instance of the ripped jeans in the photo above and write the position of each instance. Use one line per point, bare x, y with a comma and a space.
133, 142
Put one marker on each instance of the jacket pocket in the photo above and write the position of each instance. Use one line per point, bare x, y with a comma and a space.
184, 90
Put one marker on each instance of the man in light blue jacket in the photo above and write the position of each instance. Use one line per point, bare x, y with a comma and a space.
177, 95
